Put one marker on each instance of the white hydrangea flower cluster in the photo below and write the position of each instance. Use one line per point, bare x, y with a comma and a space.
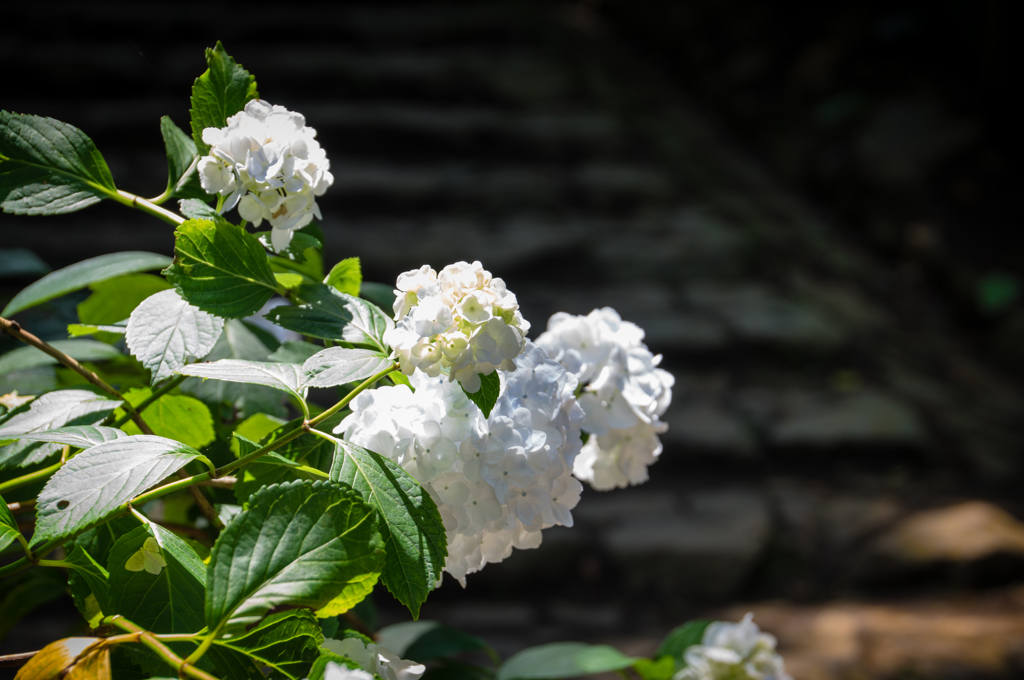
497, 481
734, 651
372, 659
268, 163
624, 397
462, 319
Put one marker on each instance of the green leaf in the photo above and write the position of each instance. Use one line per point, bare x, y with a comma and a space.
77, 330
237, 342
221, 91
165, 333
50, 411
9, 531
220, 268
91, 486
487, 396
16, 262
286, 643
302, 544
333, 315
114, 299
48, 167
283, 377
410, 522
82, 274
338, 366
563, 660
346, 276
298, 459
25, 592
182, 176
174, 416
294, 352
87, 581
661, 669
379, 294
258, 426
681, 637
196, 209
80, 436
94, 576
169, 601
80, 350
443, 641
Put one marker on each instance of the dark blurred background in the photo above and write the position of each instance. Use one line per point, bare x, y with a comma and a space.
811, 210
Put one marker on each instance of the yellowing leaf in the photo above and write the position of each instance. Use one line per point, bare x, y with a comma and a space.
52, 659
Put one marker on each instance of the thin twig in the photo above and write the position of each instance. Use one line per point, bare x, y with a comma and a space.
8, 660
145, 403
14, 329
22, 506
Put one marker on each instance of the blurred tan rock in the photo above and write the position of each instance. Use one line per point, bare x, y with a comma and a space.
977, 636
964, 532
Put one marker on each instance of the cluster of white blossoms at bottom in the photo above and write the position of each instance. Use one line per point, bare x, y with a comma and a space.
497, 481
462, 320
268, 163
625, 394
371, 659
734, 651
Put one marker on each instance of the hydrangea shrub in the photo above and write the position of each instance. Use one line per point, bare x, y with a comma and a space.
201, 532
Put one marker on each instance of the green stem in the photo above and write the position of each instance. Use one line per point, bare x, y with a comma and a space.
169, 191
149, 640
55, 563
29, 478
164, 389
198, 654
133, 201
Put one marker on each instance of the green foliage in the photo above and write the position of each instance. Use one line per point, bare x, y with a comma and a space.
325, 546
287, 643
48, 167
87, 582
220, 268
9, 532
17, 262
221, 92
174, 416
563, 660
50, 411
80, 436
338, 366
114, 299
169, 601
410, 522
681, 637
379, 294
294, 352
82, 274
487, 396
661, 669
346, 276
237, 342
332, 315
80, 350
258, 426
165, 332
182, 176
443, 641
284, 377
91, 486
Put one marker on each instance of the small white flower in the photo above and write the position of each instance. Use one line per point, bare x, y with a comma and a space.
497, 482
376, 659
268, 163
734, 651
338, 672
462, 320
624, 397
